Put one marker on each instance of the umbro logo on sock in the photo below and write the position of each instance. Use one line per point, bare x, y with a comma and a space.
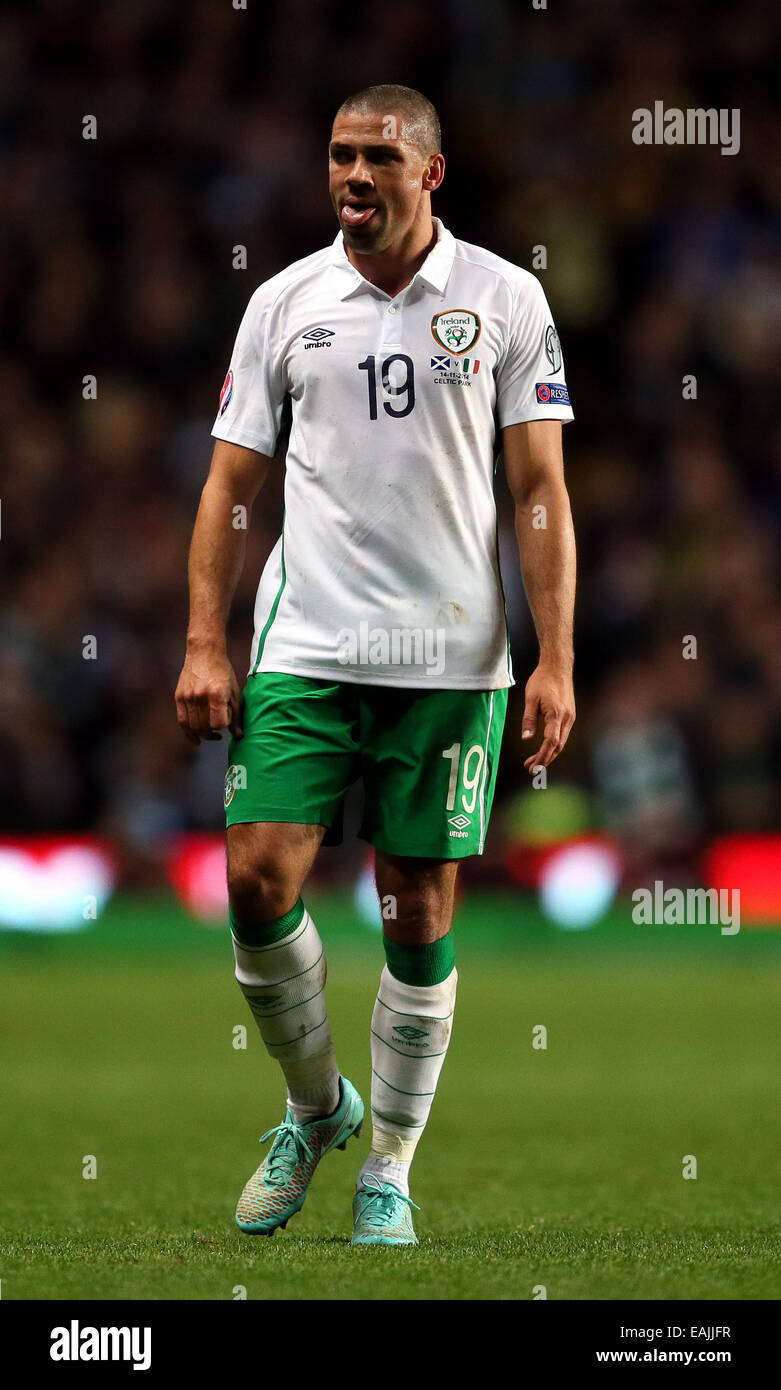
410, 1034
263, 1000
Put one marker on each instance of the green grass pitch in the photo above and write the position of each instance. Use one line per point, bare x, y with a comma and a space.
559, 1167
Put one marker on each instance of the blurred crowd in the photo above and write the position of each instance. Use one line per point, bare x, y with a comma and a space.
662, 263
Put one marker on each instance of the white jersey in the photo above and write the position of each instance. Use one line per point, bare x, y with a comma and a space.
386, 572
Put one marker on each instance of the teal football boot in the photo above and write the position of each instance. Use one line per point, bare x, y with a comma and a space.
382, 1215
278, 1189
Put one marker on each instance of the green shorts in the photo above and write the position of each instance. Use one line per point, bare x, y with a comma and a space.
427, 759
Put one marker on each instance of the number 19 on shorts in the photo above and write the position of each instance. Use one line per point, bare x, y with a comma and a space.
465, 770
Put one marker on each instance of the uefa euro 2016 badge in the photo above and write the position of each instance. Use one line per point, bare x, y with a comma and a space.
226, 393
456, 329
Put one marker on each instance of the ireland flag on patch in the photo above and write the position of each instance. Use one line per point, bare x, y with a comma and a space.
470, 366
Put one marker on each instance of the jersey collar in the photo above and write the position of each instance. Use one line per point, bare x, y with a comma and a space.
434, 271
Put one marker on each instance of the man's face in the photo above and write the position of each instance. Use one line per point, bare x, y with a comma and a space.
375, 180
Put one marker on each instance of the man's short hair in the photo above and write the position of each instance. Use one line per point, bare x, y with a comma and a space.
420, 122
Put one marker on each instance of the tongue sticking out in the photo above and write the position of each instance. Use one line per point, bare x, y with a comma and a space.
356, 217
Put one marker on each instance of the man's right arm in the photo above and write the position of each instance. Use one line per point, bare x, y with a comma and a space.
207, 694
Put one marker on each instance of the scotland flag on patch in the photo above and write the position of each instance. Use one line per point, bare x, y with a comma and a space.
552, 393
440, 363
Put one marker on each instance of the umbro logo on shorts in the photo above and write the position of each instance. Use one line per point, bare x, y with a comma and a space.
317, 337
460, 825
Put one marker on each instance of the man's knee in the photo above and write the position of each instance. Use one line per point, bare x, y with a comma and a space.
421, 896
266, 869
258, 892
261, 883
416, 906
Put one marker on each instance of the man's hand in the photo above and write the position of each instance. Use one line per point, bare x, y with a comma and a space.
543, 524
549, 694
207, 696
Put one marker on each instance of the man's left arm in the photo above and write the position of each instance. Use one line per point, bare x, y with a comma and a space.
543, 525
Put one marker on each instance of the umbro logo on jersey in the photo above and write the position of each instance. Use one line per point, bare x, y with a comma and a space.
460, 822
317, 337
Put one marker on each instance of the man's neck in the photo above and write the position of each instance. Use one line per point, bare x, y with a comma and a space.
392, 270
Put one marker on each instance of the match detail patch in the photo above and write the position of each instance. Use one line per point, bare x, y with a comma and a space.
552, 393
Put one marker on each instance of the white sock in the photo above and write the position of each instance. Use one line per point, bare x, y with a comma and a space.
284, 985
320, 1098
411, 1028
387, 1170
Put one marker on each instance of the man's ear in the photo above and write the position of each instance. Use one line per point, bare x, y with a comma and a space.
434, 174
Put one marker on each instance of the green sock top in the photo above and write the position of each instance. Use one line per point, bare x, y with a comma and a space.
428, 964
266, 933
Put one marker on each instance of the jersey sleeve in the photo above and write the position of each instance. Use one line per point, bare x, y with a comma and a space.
530, 381
253, 393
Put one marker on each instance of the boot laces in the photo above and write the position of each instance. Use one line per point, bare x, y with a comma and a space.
288, 1149
380, 1210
